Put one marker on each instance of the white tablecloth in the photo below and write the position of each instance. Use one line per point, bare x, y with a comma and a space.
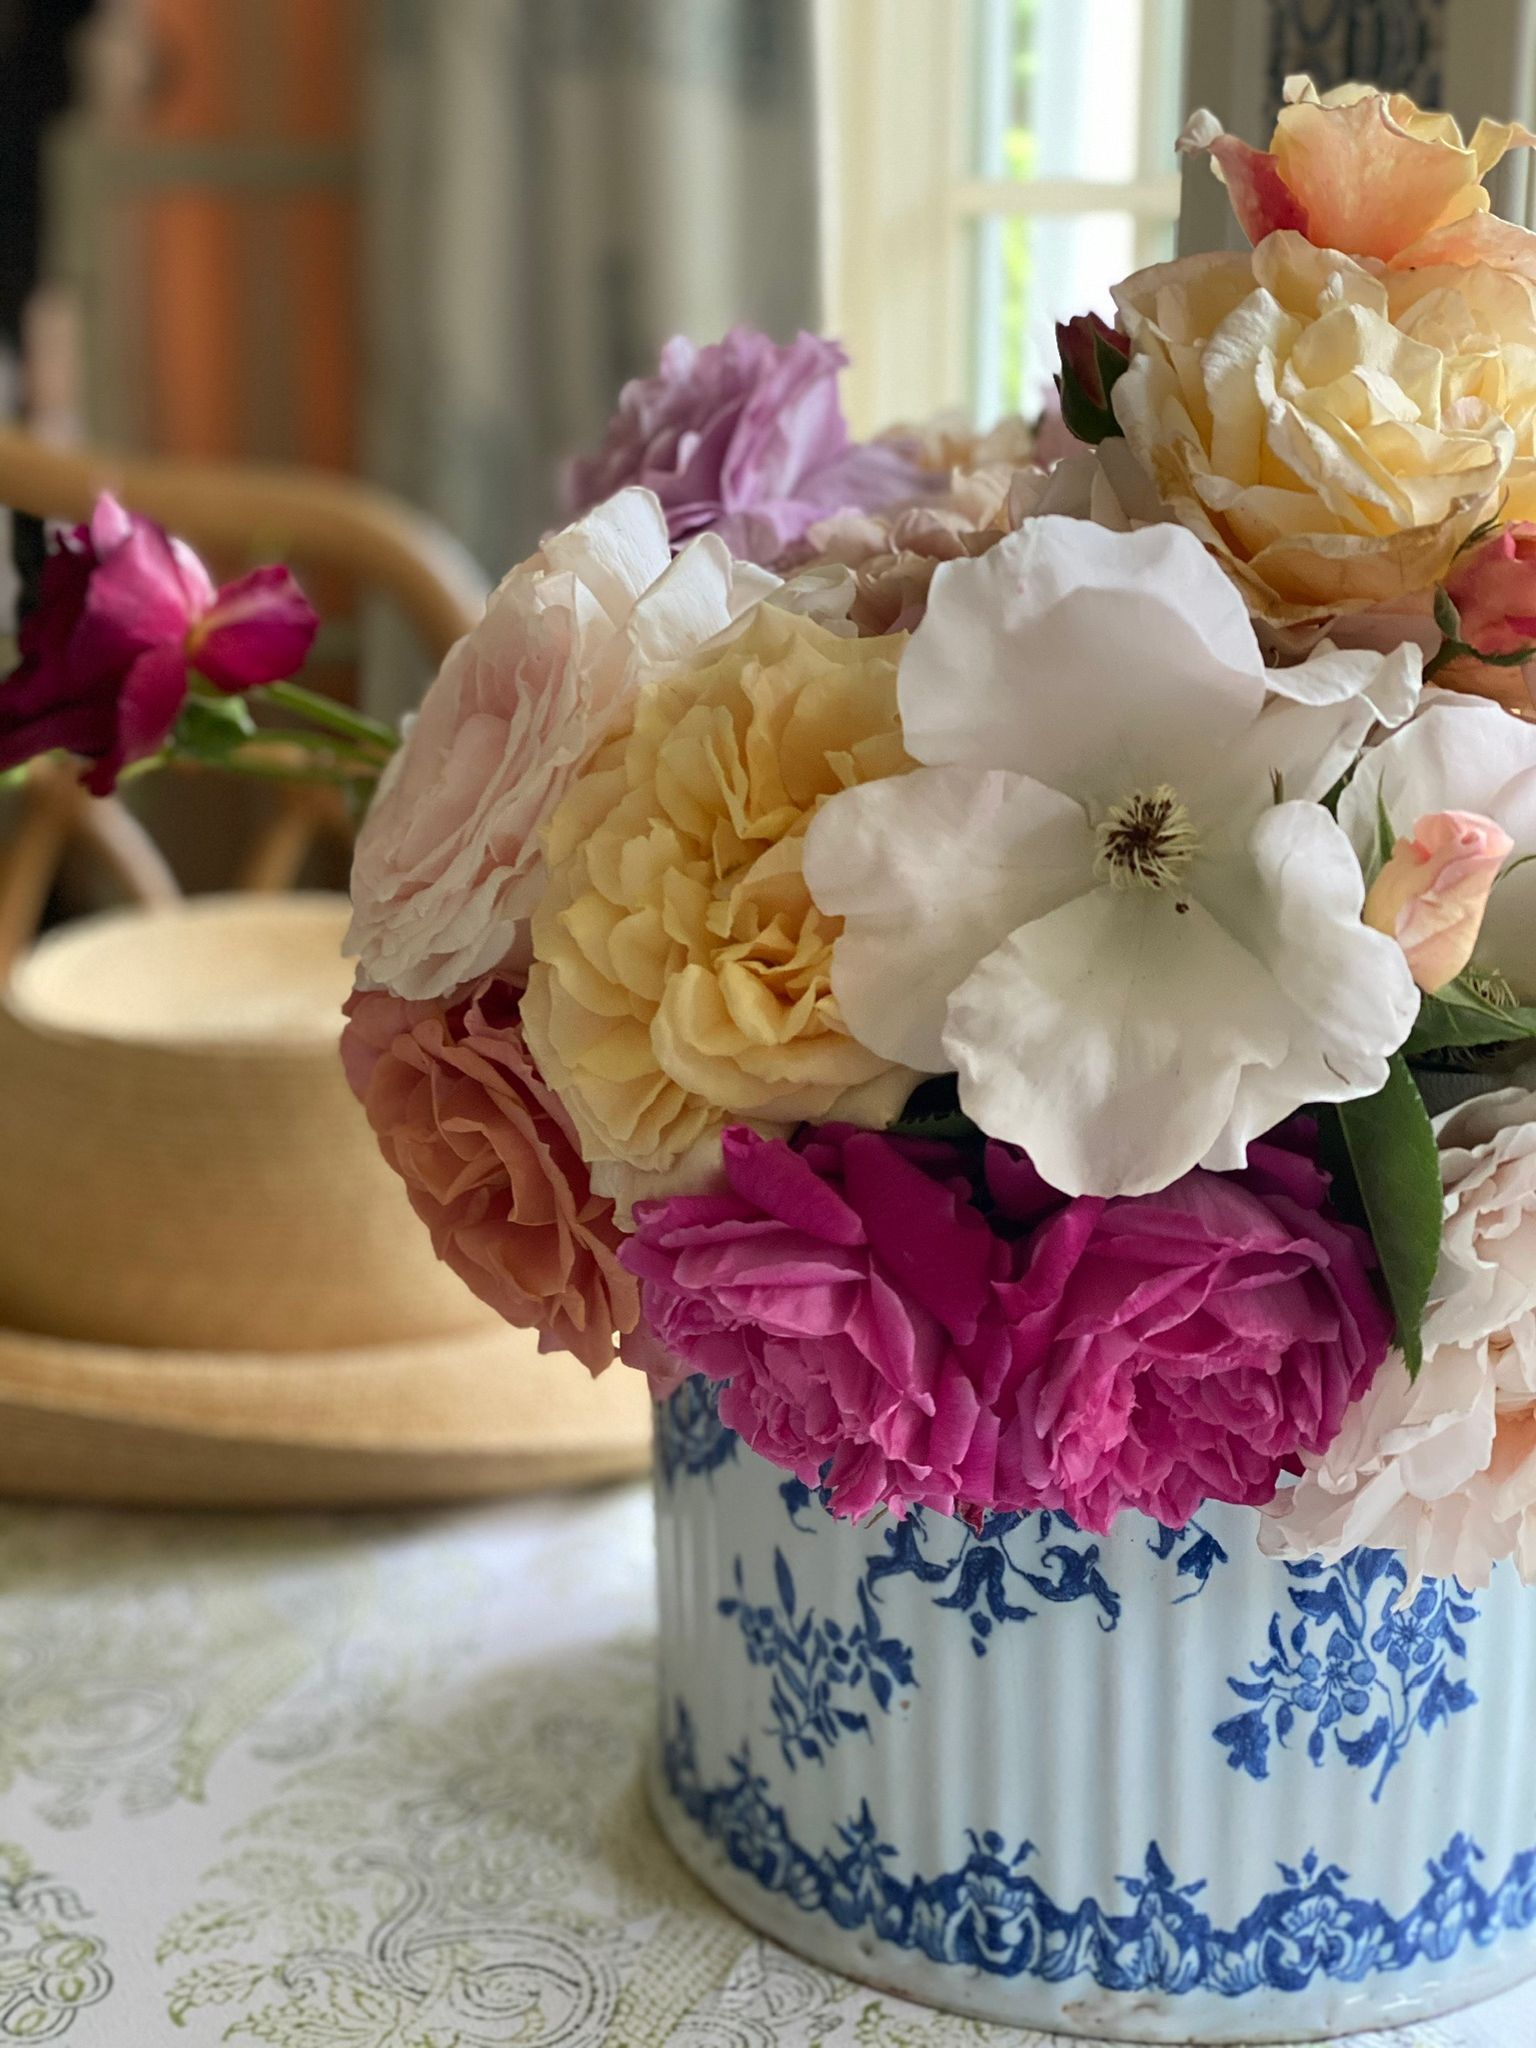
325, 1783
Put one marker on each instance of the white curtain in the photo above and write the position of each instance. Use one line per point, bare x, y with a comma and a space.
554, 187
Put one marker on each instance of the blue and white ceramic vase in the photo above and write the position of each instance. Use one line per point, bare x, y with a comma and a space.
1148, 1787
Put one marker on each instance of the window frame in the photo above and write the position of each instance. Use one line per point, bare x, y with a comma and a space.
902, 200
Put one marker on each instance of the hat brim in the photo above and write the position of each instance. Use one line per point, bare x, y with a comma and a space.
452, 1418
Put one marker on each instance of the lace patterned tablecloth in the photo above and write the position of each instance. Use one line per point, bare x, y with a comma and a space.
326, 1783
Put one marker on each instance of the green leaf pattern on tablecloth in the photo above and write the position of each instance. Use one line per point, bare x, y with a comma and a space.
52, 1963
369, 1783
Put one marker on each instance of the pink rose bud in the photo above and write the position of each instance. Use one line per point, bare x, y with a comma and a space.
1432, 893
1494, 590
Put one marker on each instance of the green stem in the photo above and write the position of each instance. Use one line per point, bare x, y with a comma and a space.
334, 717
340, 774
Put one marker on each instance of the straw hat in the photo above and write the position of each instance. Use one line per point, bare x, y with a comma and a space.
201, 1247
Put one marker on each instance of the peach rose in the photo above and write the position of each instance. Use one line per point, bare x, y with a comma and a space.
448, 864
682, 975
491, 1164
1432, 892
1332, 435
1371, 174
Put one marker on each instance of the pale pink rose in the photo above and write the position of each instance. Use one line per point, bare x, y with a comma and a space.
1432, 893
449, 863
1443, 1469
491, 1164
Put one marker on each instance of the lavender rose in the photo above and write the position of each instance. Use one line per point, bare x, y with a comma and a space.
744, 438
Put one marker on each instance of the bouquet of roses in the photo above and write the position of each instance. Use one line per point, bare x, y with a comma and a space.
1022, 974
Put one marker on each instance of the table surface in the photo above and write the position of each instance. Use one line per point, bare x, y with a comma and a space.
374, 1782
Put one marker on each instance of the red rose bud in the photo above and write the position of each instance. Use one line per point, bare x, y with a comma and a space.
124, 614
1094, 356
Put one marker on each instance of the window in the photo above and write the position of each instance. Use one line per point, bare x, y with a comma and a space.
991, 166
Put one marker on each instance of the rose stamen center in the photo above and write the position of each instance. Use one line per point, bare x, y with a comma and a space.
1147, 839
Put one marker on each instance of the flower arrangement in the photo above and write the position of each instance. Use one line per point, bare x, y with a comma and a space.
1023, 975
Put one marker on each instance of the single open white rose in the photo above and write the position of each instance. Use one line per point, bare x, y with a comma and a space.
449, 865
1110, 898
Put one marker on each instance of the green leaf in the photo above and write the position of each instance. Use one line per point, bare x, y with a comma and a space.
1386, 838
211, 728
1447, 618
1387, 1165
933, 1110
1458, 1017
956, 1128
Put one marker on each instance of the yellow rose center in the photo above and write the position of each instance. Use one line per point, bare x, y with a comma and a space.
1146, 840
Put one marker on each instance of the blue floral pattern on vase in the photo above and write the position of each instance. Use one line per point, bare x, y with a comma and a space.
1355, 1667
991, 1583
691, 1440
817, 1665
998, 1570
990, 1913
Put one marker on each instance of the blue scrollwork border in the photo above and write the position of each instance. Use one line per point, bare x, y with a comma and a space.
992, 1915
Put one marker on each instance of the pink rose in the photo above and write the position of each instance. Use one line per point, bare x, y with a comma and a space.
1432, 893
1185, 1346
843, 1289
877, 1333
1493, 588
746, 439
123, 614
490, 1163
449, 862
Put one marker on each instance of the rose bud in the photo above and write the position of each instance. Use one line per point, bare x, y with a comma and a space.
1093, 355
1432, 893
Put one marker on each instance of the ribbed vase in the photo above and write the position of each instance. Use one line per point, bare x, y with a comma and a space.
1148, 1787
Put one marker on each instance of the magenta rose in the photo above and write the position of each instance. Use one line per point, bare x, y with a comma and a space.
124, 613
843, 1290
875, 1332
745, 438
1183, 1346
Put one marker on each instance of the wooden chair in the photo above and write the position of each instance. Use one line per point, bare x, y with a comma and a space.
331, 526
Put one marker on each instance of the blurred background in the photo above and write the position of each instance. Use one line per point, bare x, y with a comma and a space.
423, 242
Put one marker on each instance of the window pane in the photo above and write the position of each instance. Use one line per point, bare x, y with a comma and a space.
1032, 271
1059, 88
1064, 90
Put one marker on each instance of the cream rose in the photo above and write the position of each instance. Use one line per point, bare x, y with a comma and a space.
448, 864
1332, 435
1443, 1468
682, 973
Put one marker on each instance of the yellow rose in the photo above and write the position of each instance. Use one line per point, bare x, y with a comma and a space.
1332, 434
682, 973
